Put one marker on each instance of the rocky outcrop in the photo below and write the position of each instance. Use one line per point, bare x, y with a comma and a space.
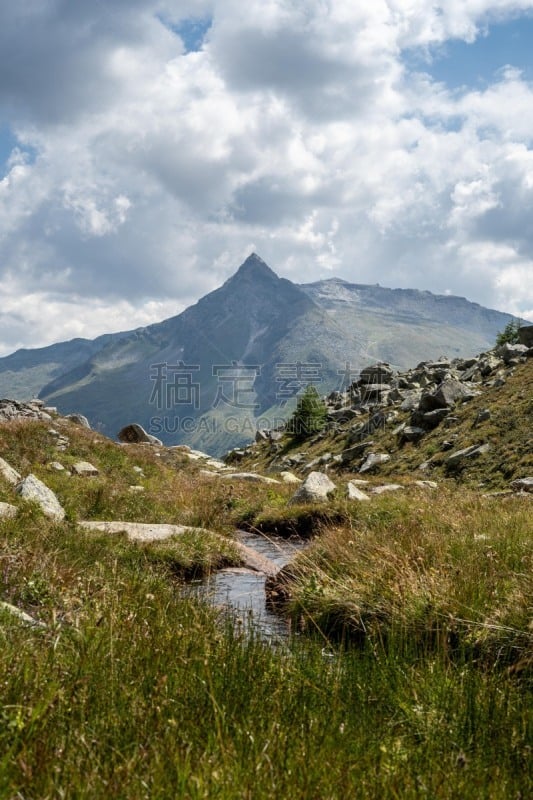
13, 409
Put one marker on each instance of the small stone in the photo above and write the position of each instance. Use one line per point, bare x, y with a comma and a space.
427, 484
136, 488
56, 466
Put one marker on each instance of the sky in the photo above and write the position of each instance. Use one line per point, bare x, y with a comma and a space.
147, 147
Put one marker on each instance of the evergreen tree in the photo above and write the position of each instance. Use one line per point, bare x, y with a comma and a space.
309, 416
509, 333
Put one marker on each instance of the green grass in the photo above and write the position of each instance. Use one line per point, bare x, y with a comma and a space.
134, 691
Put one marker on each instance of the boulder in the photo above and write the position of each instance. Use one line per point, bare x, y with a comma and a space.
355, 451
31, 488
411, 433
135, 434
445, 396
387, 487
376, 373
316, 488
373, 461
508, 351
8, 473
525, 336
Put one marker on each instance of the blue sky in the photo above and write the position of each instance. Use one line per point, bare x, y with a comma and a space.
387, 142
474, 64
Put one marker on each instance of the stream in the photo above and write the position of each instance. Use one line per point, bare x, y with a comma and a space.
242, 591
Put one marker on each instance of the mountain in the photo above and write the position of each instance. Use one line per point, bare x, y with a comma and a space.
236, 359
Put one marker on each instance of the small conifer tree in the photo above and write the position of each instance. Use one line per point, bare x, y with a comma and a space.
509, 334
310, 414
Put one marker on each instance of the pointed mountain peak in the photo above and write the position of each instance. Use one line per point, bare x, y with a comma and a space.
255, 267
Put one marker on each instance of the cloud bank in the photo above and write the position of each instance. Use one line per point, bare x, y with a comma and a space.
148, 162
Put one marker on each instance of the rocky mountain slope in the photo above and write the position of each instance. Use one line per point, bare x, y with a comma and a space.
458, 420
236, 360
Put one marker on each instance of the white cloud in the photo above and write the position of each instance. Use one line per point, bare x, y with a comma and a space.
296, 131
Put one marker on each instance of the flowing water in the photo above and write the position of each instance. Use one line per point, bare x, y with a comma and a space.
242, 592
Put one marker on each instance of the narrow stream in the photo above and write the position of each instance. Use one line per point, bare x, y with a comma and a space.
242, 591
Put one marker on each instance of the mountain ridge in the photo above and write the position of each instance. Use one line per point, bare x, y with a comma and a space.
261, 326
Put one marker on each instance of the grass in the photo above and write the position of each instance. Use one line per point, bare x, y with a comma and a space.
452, 571
133, 690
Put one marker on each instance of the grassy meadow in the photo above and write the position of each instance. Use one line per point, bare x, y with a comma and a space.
407, 675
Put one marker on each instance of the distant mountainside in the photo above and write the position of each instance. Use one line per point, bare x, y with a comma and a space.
237, 358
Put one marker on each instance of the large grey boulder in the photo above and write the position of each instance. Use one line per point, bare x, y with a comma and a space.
316, 488
135, 434
445, 396
31, 488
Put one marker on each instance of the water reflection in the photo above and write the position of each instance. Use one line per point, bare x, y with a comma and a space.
242, 592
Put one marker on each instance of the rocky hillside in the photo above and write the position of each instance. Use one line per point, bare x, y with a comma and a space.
459, 420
